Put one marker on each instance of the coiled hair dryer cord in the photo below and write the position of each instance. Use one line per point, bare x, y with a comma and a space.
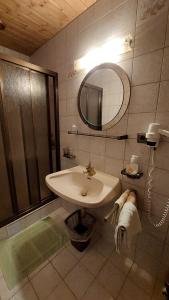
148, 202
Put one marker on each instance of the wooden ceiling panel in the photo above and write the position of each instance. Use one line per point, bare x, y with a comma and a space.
31, 23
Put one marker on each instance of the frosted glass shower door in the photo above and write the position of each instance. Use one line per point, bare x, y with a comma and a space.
25, 138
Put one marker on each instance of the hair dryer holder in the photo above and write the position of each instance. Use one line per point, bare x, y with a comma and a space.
152, 137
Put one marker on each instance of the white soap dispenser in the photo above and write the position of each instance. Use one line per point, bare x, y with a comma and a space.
133, 167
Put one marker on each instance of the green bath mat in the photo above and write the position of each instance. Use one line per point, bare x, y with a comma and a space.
24, 252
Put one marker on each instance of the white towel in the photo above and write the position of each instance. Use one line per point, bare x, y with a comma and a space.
113, 215
128, 225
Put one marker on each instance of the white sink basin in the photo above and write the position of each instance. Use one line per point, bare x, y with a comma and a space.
74, 186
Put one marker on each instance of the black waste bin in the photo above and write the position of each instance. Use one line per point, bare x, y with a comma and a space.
80, 225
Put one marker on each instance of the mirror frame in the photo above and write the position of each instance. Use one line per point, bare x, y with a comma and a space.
126, 94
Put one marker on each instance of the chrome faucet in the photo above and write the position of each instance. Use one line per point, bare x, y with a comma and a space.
90, 171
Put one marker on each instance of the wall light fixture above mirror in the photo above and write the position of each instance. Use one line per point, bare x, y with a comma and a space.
108, 52
103, 96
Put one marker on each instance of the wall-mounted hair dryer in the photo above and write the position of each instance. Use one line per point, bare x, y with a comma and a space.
152, 136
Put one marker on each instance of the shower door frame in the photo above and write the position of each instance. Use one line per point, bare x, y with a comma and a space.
30, 67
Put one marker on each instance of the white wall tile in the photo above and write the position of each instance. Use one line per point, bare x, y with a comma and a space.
120, 128
163, 101
83, 157
151, 26
126, 65
167, 34
97, 146
162, 156
98, 161
159, 233
113, 166
158, 206
132, 147
144, 98
147, 68
86, 19
115, 149
160, 182
165, 66
13, 53
138, 123
163, 119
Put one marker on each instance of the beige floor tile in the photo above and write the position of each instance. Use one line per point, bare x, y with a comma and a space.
60, 212
131, 291
75, 252
104, 247
62, 292
64, 262
26, 293
111, 278
32, 274
97, 292
45, 281
93, 261
123, 263
149, 244
57, 252
79, 280
144, 271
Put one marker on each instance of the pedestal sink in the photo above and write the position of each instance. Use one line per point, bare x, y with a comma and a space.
74, 186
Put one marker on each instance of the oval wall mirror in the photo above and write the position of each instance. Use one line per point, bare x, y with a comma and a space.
103, 96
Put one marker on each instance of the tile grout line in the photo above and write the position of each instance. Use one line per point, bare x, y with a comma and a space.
63, 279
30, 282
93, 275
162, 62
159, 85
134, 42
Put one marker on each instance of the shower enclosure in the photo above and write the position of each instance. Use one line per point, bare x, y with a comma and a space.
29, 136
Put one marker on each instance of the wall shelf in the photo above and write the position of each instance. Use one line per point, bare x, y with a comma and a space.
118, 137
136, 176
